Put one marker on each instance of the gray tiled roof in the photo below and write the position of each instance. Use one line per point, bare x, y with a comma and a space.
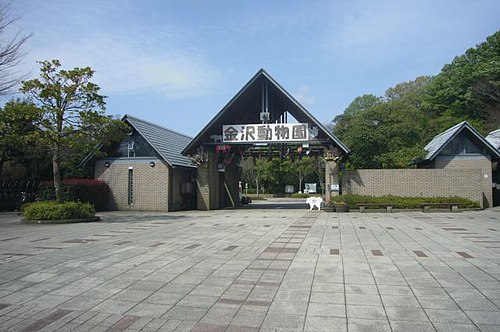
440, 141
494, 139
166, 142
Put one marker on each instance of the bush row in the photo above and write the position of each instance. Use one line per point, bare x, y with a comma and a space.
52, 210
304, 195
91, 191
404, 202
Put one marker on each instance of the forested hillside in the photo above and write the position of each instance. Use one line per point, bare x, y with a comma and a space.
390, 131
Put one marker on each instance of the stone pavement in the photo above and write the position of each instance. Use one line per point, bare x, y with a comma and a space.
250, 269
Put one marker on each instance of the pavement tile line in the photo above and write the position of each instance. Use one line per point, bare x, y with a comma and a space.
464, 255
81, 264
374, 253
407, 284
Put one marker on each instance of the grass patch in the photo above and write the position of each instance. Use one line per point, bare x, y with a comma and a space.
52, 210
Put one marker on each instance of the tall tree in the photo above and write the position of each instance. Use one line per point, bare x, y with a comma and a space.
388, 134
71, 115
11, 49
303, 167
17, 120
468, 88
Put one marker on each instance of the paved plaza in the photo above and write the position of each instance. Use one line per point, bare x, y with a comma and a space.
251, 269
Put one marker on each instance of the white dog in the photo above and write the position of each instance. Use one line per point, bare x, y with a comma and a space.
314, 202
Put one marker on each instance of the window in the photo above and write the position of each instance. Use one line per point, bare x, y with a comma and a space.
131, 147
130, 186
461, 145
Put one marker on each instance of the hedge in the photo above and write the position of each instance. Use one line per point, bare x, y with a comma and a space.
52, 210
91, 191
404, 202
299, 195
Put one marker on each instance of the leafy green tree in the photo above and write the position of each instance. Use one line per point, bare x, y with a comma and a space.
389, 133
358, 105
274, 174
468, 88
71, 114
319, 170
303, 168
362, 103
16, 128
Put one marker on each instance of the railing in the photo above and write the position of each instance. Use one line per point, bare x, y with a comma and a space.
14, 193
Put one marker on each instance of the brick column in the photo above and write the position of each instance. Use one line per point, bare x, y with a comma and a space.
203, 187
331, 178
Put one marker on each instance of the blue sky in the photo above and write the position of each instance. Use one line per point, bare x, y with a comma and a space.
177, 63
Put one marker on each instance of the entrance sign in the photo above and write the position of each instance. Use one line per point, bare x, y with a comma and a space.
272, 132
310, 188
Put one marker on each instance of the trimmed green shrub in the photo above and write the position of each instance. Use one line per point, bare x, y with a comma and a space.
258, 198
91, 191
404, 202
52, 210
299, 195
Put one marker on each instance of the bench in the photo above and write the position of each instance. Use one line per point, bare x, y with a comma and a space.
452, 206
387, 206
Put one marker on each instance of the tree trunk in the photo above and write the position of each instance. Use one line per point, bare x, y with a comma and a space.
57, 174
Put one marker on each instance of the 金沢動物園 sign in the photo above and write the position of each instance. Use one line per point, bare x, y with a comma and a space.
273, 132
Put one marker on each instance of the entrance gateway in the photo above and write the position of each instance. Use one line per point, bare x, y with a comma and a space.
255, 122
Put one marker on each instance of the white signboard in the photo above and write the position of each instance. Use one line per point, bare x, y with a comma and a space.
273, 132
310, 188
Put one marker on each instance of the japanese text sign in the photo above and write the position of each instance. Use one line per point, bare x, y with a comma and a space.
273, 132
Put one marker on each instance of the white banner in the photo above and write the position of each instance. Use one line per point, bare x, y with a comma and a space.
273, 132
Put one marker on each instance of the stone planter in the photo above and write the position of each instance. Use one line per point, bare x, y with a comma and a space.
341, 208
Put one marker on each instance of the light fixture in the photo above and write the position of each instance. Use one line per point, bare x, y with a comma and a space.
152, 164
107, 164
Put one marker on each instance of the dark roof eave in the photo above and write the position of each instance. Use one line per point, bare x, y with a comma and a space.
309, 115
495, 154
300, 108
220, 113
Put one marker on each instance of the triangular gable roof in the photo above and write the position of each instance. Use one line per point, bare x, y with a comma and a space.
244, 107
494, 139
440, 141
167, 143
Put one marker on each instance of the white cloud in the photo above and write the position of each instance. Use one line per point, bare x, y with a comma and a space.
382, 31
127, 59
304, 96
374, 30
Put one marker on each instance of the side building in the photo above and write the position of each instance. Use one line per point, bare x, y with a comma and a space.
494, 139
459, 162
463, 147
146, 171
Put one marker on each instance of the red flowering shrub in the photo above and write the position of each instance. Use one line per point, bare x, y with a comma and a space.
91, 191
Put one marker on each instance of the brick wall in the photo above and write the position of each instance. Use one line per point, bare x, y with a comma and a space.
210, 190
232, 178
477, 162
465, 183
150, 185
207, 184
178, 176
203, 188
